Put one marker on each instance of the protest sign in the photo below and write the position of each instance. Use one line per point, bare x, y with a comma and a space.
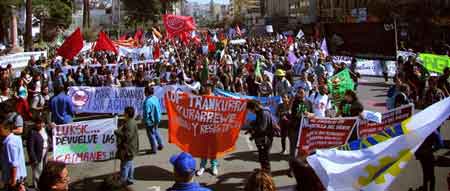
435, 63
160, 91
85, 141
271, 102
204, 126
350, 39
106, 99
339, 84
320, 133
388, 119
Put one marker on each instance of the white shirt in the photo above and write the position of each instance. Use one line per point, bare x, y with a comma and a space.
44, 138
320, 103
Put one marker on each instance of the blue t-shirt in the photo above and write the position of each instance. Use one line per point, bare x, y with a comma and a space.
13, 156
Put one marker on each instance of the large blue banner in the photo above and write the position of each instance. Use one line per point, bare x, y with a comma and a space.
271, 102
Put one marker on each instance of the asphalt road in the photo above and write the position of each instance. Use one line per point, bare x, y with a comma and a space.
153, 172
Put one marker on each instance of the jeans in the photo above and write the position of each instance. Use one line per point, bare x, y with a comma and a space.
214, 163
36, 172
126, 171
154, 137
264, 144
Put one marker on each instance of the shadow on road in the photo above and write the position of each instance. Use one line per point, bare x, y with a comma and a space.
144, 173
252, 156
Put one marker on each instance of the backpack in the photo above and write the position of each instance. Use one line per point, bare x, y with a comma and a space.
274, 129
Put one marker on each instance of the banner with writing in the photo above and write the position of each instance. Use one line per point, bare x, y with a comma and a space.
435, 63
85, 141
339, 84
271, 102
321, 133
106, 99
204, 126
388, 119
160, 91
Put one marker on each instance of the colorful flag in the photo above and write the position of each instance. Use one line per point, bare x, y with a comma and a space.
373, 163
103, 43
258, 68
339, 84
289, 41
123, 37
138, 36
72, 45
177, 24
189, 131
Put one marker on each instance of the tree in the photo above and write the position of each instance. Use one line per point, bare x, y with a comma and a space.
28, 36
141, 11
5, 13
86, 14
53, 15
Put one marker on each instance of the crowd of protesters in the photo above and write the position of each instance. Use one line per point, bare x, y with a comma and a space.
36, 99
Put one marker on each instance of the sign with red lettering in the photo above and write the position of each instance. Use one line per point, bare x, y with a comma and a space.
388, 119
321, 133
204, 126
92, 140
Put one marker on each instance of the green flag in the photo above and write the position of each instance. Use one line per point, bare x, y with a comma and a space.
258, 68
339, 84
435, 63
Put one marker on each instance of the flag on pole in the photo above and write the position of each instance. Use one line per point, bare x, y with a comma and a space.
72, 45
300, 34
339, 84
177, 24
372, 164
103, 43
156, 51
258, 68
324, 47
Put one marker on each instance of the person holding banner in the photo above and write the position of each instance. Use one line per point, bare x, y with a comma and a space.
300, 107
350, 106
152, 118
262, 132
207, 91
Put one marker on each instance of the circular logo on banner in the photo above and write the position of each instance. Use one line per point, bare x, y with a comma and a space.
175, 23
80, 98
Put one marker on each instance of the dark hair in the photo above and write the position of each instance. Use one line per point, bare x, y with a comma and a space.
254, 105
51, 175
148, 90
129, 111
260, 181
38, 120
352, 94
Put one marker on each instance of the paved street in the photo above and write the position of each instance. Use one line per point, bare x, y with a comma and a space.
153, 172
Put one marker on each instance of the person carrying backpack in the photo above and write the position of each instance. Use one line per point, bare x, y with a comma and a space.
262, 132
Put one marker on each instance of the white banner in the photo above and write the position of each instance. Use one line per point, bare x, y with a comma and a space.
85, 141
106, 99
135, 53
160, 91
20, 60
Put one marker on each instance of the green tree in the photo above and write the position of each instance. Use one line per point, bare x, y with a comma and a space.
53, 15
142, 11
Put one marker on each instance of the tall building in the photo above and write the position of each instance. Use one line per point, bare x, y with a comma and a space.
252, 11
303, 11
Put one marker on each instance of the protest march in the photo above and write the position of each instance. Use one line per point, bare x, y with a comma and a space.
182, 107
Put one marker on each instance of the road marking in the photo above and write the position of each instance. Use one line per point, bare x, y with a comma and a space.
154, 188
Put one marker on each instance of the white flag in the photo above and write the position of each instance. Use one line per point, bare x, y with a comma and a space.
373, 163
300, 34
324, 47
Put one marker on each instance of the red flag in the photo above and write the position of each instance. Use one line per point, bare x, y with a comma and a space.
138, 35
290, 41
123, 37
72, 45
103, 43
177, 24
156, 51
184, 37
238, 31
211, 45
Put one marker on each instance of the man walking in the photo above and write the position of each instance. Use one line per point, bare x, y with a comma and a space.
61, 107
152, 118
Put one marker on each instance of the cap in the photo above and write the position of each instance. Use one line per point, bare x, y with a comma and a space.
183, 163
280, 73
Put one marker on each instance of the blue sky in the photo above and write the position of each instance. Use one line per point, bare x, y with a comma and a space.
207, 1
